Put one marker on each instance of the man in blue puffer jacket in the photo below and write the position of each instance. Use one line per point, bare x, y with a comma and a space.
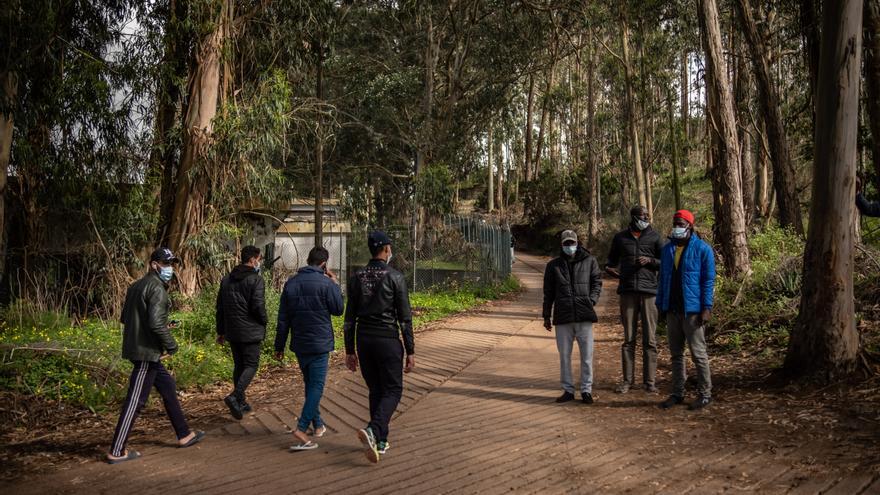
307, 302
685, 295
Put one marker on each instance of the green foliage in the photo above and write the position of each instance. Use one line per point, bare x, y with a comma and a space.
436, 188
761, 311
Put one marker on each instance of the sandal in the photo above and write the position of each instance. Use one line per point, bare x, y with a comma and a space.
132, 455
194, 440
317, 432
310, 445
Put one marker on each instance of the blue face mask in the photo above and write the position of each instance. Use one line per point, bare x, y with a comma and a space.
569, 250
166, 273
258, 267
679, 232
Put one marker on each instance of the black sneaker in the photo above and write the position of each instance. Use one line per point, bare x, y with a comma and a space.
670, 401
651, 389
586, 398
565, 397
233, 405
622, 388
245, 407
700, 403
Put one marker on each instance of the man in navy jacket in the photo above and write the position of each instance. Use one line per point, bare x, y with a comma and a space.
307, 302
685, 295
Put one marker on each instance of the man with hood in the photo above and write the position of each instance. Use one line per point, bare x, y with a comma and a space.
572, 285
241, 321
635, 259
684, 296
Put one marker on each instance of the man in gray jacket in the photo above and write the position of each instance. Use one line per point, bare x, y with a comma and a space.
146, 340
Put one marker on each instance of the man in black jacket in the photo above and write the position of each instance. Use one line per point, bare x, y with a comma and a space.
377, 315
635, 259
146, 341
572, 285
241, 321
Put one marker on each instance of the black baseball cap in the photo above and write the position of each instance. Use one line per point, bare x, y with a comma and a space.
163, 255
377, 239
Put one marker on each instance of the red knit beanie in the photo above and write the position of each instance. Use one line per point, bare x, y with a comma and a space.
685, 215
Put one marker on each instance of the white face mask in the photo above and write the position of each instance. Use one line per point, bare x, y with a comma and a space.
641, 224
570, 250
166, 273
390, 255
679, 232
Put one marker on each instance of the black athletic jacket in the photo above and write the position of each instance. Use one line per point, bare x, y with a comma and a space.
241, 306
378, 304
624, 255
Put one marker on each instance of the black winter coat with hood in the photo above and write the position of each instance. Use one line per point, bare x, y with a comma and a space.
241, 306
572, 285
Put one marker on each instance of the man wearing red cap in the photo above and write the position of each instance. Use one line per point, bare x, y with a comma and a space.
685, 295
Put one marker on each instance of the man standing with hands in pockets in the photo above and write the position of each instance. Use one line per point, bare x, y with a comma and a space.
377, 316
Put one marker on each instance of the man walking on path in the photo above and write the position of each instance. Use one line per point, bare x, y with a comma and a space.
572, 285
307, 302
685, 295
146, 340
241, 321
635, 259
377, 315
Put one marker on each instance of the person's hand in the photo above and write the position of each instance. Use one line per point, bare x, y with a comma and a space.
351, 362
173, 324
164, 357
644, 260
858, 185
410, 363
612, 271
547, 324
221, 339
705, 316
279, 355
331, 275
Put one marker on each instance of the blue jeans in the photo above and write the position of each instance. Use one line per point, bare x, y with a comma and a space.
314, 370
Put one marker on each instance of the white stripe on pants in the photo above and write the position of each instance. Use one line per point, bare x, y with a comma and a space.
565, 337
131, 408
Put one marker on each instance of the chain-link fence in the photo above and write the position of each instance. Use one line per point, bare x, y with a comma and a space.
450, 251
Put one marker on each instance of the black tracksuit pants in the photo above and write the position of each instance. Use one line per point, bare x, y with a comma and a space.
381, 361
246, 356
145, 376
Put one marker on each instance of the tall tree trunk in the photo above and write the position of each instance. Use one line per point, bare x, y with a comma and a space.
592, 161
425, 133
319, 145
742, 89
527, 159
499, 176
188, 215
732, 224
163, 155
784, 180
631, 116
676, 154
824, 341
9, 88
872, 80
539, 145
685, 97
810, 34
490, 152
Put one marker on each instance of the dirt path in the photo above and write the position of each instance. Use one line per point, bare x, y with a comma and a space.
478, 417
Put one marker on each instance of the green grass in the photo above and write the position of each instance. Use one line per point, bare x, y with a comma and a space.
50, 356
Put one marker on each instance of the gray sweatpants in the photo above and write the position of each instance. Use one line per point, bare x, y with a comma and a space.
688, 328
635, 307
565, 337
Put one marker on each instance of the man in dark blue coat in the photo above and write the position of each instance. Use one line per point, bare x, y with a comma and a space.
685, 296
307, 302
